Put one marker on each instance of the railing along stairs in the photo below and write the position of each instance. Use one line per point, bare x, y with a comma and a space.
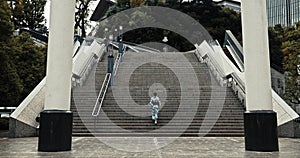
108, 80
228, 74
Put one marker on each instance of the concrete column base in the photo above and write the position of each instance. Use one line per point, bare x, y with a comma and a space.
261, 130
18, 129
55, 132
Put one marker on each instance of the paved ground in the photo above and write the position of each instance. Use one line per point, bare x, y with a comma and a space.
180, 147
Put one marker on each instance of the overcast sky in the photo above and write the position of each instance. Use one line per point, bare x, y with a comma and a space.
47, 10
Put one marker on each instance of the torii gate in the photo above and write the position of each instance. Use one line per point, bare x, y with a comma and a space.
259, 119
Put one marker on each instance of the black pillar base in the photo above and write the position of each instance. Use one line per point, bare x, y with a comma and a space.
55, 133
261, 130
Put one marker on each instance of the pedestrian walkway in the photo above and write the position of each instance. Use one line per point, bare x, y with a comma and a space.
180, 147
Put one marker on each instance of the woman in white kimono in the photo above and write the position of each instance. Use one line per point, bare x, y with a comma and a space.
155, 103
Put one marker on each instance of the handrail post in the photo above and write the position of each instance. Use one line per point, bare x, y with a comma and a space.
95, 119
110, 68
120, 51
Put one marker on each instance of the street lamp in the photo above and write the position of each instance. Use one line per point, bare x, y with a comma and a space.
105, 32
120, 33
165, 40
110, 62
116, 35
120, 43
106, 42
111, 38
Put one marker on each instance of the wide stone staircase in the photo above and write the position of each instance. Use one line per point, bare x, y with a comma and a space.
193, 104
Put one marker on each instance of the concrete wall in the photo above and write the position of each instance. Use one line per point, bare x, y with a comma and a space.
291, 129
18, 129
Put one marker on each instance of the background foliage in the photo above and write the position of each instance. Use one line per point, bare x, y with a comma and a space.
291, 50
213, 17
28, 13
22, 63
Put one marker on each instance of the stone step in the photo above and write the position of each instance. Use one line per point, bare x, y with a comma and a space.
233, 110
144, 105
230, 122
164, 115
198, 122
240, 131
165, 107
153, 129
109, 134
148, 118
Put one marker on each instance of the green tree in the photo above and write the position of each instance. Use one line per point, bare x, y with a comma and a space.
81, 15
136, 3
275, 44
33, 14
29, 60
291, 49
10, 83
6, 27
132, 3
151, 2
22, 63
18, 13
214, 18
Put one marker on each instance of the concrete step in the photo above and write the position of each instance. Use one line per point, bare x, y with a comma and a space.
230, 122
109, 134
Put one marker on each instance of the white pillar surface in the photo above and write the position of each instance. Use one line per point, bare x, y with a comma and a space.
256, 55
59, 59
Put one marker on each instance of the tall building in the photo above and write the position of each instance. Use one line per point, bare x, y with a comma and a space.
284, 12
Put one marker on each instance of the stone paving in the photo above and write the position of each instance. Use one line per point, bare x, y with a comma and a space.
128, 147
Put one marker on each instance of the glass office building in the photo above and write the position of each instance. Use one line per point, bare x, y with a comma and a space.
284, 12
294, 11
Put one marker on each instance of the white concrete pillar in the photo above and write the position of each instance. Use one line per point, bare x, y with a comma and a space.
60, 48
256, 55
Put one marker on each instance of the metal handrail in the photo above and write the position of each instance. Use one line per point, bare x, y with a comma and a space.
104, 86
116, 66
233, 42
141, 46
102, 90
114, 43
136, 47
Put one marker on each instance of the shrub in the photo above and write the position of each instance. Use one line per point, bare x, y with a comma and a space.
4, 123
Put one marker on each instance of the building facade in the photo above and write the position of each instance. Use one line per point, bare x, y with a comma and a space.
284, 12
231, 4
